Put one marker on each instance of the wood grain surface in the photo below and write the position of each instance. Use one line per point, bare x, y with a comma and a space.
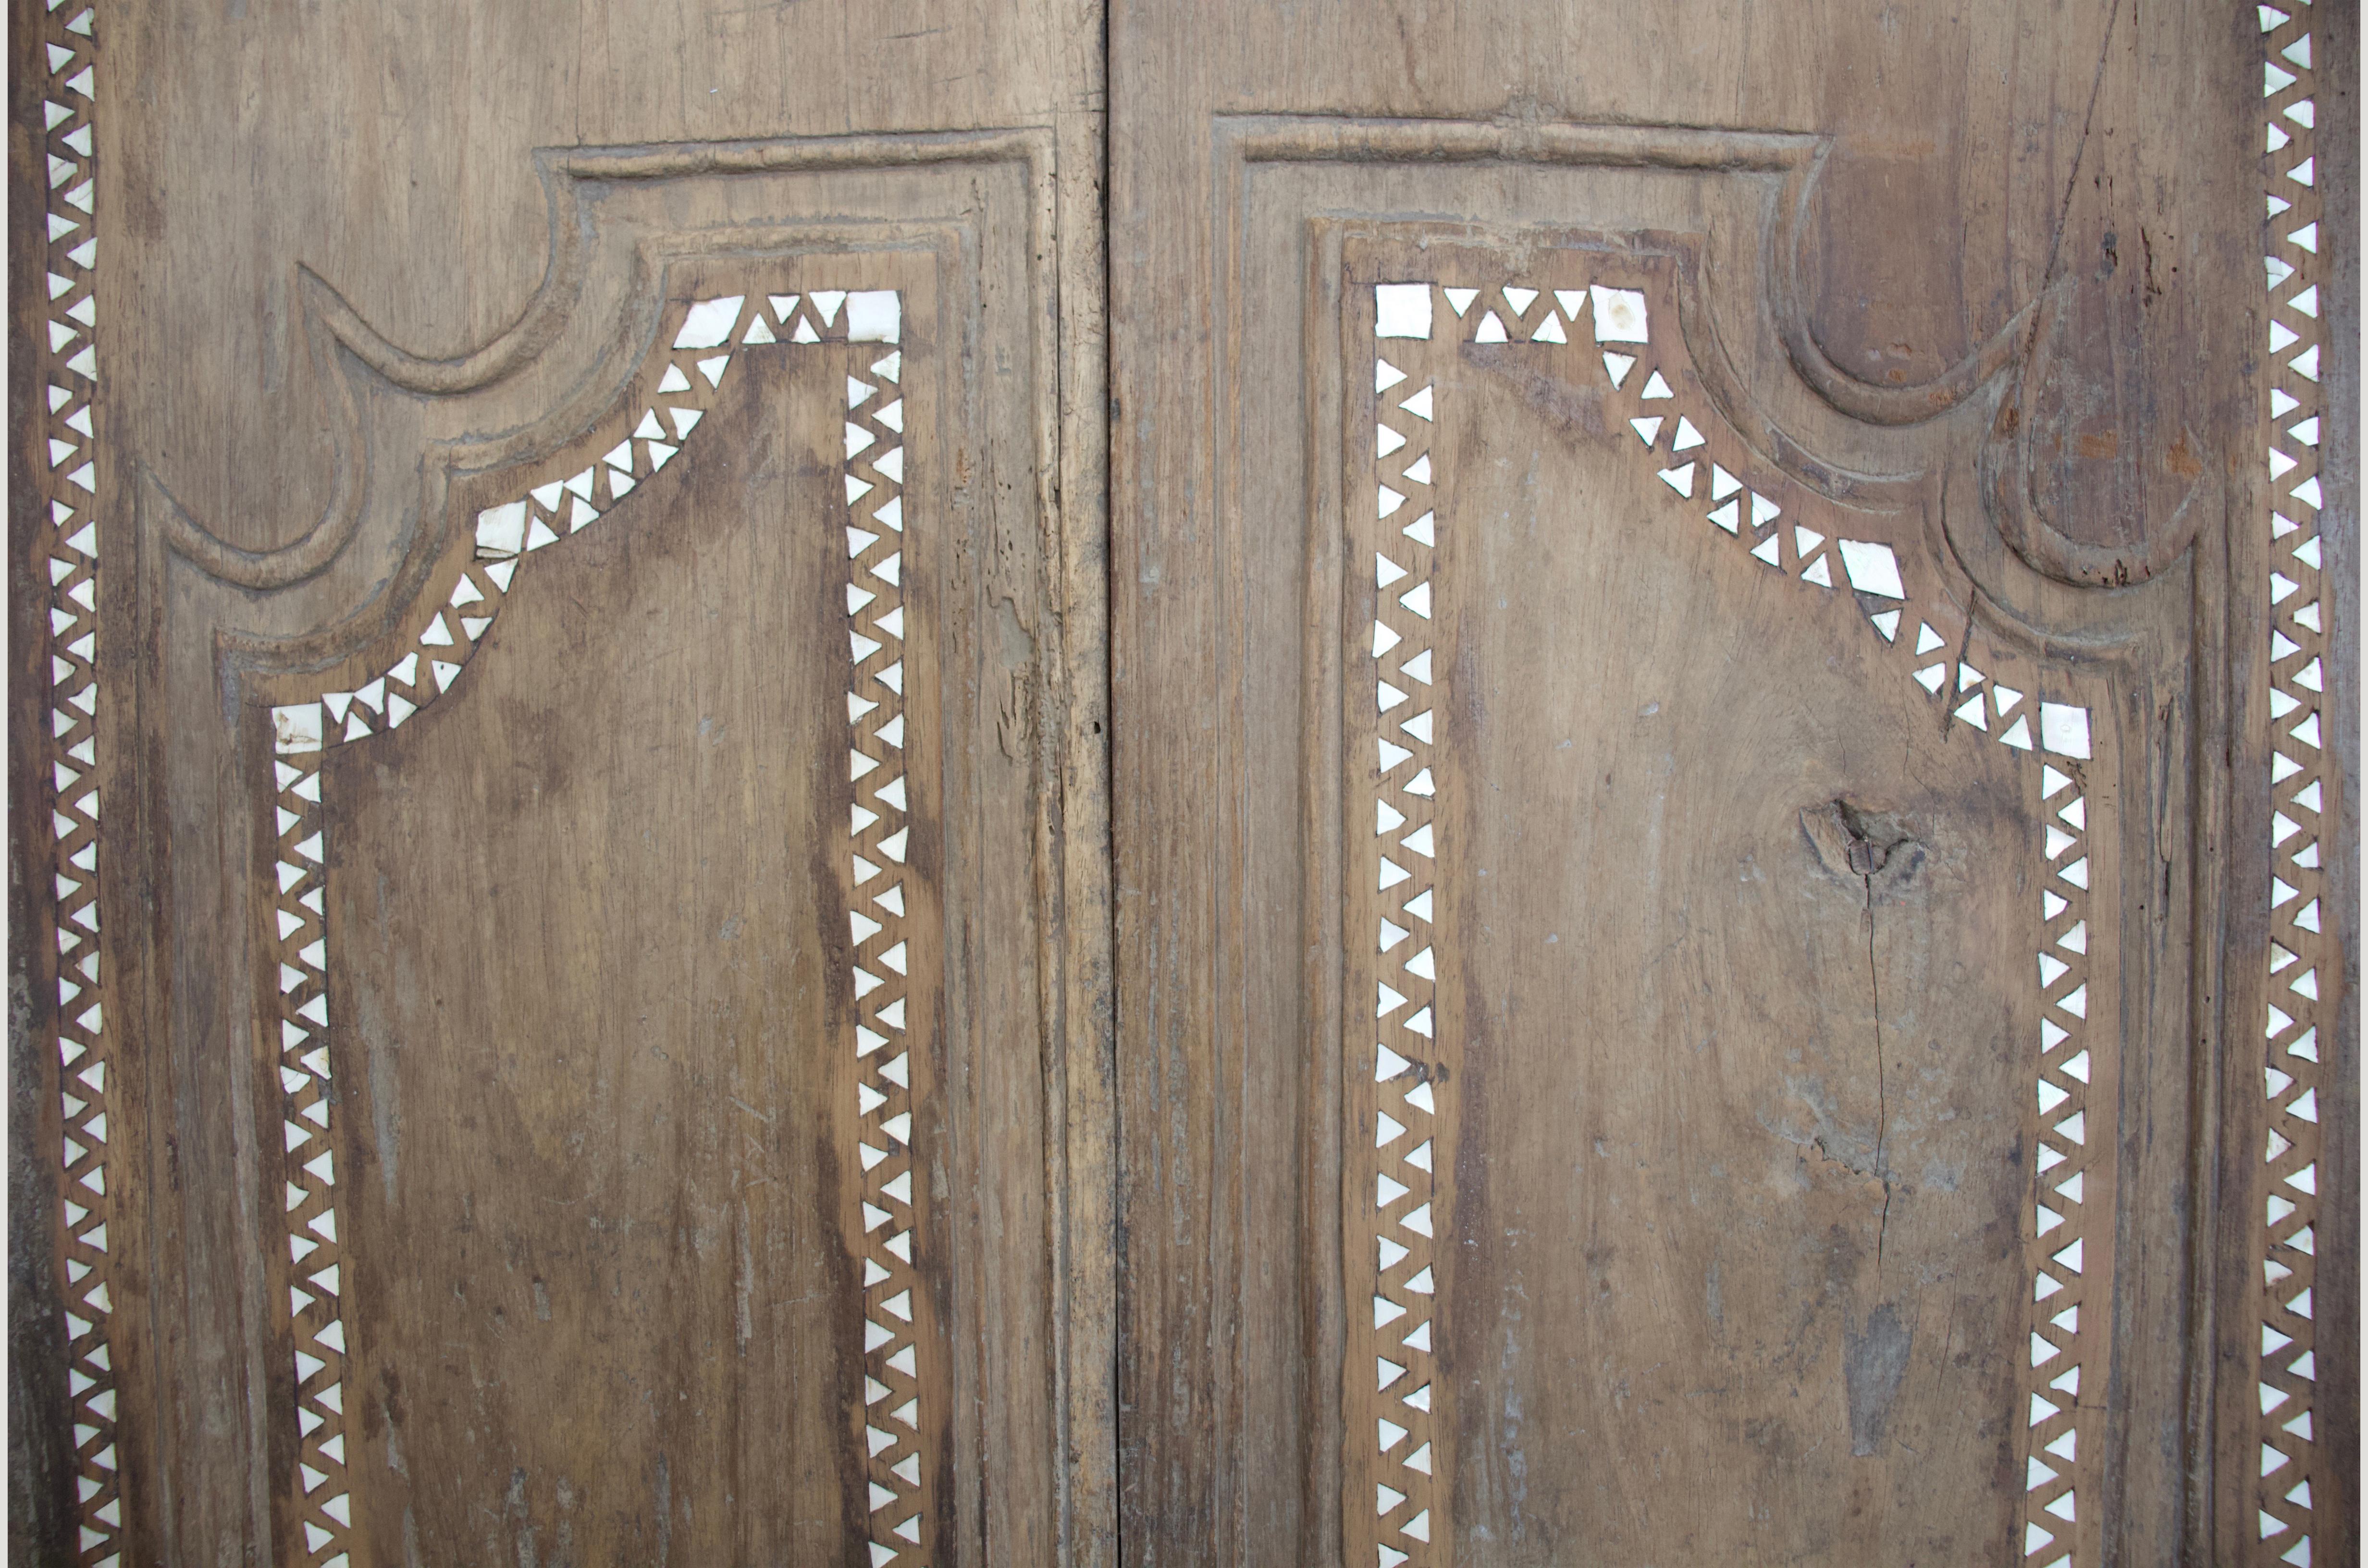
1833, 1116
1925, 262
520, 1007
552, 1001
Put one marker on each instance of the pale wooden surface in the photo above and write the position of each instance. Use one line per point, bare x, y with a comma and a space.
1746, 1123
412, 161
1147, 1285
594, 1173
1977, 157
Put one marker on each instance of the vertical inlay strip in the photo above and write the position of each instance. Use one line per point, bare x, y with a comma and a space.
309, 1174
885, 1036
2305, 960
1402, 1087
2059, 1425
66, 478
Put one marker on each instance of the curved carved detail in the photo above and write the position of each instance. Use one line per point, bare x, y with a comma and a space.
571, 248
2015, 472
1796, 162
310, 553
344, 344
639, 437
2095, 472
2169, 503
1871, 402
2087, 472
2030, 606
2069, 348
1710, 359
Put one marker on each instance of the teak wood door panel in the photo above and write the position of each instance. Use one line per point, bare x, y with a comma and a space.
1633, 844
595, 738
1696, 914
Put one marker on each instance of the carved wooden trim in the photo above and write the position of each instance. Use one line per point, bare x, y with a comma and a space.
2093, 645
901, 1425
2306, 958
68, 940
332, 325
1795, 158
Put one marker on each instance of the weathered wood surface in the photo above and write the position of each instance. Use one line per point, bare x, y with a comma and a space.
596, 1112
1727, 1193
1951, 265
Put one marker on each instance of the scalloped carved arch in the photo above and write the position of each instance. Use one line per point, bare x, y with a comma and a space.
902, 1421
599, 270
606, 424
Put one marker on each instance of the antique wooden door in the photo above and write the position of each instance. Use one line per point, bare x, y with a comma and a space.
1050, 781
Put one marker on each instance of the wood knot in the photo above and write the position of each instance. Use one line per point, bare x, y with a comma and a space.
1856, 841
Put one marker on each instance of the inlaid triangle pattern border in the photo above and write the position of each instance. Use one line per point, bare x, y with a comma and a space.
65, 478
1626, 345
672, 394
881, 928
1401, 1093
2305, 957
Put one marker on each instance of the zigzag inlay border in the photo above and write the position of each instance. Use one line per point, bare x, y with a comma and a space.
673, 391
1400, 726
2067, 1240
2305, 960
67, 480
